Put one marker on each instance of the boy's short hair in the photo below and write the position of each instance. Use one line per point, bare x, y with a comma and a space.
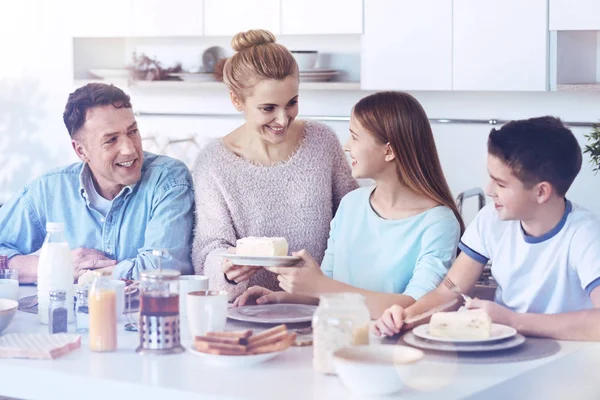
538, 150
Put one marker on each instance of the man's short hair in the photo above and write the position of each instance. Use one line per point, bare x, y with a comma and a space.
90, 96
537, 150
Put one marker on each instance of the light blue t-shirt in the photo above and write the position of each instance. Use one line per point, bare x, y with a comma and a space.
409, 256
155, 213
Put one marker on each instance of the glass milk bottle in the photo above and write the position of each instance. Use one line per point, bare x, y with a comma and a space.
341, 320
102, 306
55, 270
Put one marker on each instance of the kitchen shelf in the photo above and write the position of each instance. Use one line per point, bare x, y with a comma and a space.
579, 87
182, 85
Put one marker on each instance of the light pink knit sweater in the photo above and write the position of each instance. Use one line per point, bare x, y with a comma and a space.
295, 199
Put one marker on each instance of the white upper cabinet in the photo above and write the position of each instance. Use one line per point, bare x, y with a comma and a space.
172, 18
321, 16
500, 45
228, 17
407, 45
108, 18
574, 15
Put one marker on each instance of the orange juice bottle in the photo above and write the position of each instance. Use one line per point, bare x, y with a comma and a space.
102, 304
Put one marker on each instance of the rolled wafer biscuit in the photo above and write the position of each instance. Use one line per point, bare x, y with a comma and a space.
273, 338
279, 345
219, 348
268, 333
238, 334
224, 339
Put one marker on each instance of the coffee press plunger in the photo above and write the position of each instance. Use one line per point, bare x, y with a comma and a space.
159, 328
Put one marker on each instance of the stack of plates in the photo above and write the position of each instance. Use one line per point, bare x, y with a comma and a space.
502, 338
195, 77
318, 75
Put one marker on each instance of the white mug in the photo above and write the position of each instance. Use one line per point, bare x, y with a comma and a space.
189, 283
207, 311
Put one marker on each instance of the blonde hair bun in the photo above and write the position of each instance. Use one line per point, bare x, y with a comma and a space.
251, 38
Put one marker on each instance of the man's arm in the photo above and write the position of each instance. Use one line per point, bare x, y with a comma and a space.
21, 234
170, 230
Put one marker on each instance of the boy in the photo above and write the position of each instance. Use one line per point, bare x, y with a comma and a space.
545, 250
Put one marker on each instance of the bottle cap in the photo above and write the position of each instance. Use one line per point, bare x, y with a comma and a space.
58, 295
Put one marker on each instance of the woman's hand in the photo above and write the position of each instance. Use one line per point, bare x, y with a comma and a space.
391, 322
237, 273
306, 279
260, 295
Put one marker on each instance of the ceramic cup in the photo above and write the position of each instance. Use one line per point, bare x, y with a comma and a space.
206, 311
189, 283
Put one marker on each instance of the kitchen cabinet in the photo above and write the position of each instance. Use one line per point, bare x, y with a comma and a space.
156, 18
321, 17
228, 17
407, 45
110, 18
574, 15
500, 45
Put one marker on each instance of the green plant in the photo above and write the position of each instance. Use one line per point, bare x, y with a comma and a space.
593, 147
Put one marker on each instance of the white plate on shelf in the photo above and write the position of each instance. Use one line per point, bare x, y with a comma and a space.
273, 313
195, 77
499, 332
110, 73
411, 339
282, 261
234, 361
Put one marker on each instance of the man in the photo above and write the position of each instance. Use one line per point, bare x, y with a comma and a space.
117, 205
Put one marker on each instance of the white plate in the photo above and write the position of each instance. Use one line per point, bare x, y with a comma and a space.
273, 313
282, 261
411, 339
195, 77
111, 73
499, 332
234, 361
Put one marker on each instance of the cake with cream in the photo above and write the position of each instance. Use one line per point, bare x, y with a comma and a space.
470, 324
262, 246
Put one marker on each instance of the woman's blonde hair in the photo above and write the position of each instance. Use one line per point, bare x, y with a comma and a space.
258, 57
399, 119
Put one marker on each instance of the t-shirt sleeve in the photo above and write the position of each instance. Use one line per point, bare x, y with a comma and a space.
474, 241
584, 255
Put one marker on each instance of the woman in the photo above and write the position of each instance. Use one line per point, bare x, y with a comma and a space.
394, 242
272, 176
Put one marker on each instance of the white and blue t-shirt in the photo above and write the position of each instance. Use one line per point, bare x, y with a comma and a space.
410, 255
549, 274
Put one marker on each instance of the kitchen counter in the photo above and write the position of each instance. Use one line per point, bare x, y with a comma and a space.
88, 375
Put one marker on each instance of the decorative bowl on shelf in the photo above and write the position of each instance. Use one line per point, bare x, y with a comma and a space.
211, 57
306, 59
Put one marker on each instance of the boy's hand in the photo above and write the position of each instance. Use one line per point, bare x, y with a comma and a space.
498, 314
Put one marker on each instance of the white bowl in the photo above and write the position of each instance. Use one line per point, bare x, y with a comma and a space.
376, 369
306, 59
8, 309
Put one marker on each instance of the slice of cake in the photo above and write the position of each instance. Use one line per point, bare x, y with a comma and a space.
470, 324
262, 246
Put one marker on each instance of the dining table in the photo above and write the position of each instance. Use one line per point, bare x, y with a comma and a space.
539, 369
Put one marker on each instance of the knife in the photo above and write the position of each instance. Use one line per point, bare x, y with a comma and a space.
432, 311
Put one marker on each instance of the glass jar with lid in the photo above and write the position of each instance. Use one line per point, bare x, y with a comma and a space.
341, 320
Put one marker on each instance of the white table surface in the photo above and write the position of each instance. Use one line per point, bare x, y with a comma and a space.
83, 374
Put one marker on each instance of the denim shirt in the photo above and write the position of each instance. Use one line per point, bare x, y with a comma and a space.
154, 213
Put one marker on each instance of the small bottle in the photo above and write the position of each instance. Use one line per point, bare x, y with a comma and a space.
82, 315
102, 303
57, 312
